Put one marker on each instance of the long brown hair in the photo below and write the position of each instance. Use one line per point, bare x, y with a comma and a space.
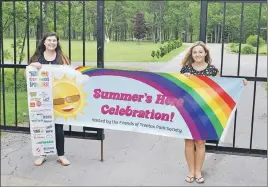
188, 59
61, 57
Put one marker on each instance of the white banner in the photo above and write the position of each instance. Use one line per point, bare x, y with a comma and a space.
168, 104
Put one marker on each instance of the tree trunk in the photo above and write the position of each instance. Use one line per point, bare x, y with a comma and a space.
215, 34
191, 35
222, 35
211, 38
219, 35
176, 34
64, 34
9, 32
160, 34
74, 34
153, 34
116, 34
23, 45
109, 34
125, 34
122, 34
154, 28
94, 35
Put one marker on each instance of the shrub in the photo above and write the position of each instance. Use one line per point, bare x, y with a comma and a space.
176, 44
173, 45
153, 54
166, 49
170, 47
234, 47
162, 51
157, 53
9, 80
179, 42
248, 49
252, 40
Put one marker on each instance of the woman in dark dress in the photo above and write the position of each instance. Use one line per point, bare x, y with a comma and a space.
197, 62
49, 52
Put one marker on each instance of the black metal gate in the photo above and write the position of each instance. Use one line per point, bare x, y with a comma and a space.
203, 26
98, 134
87, 132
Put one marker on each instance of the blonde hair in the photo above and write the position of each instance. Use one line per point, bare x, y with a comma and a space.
188, 59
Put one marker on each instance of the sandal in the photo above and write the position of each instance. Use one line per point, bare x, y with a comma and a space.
63, 161
189, 179
200, 180
40, 160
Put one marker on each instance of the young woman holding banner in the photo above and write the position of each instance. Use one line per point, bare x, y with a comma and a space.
197, 62
49, 52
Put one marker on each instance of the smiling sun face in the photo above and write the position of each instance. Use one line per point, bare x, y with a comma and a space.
68, 98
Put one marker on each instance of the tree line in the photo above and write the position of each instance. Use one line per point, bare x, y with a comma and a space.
163, 20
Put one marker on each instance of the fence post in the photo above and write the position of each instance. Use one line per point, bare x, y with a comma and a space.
100, 33
203, 20
100, 49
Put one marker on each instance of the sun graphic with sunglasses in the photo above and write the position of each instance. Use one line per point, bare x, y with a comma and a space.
68, 98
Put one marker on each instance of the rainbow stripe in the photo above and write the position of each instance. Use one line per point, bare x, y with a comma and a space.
206, 108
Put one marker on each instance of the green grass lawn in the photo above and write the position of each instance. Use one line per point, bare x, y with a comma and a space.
113, 51
2, 133
10, 108
263, 49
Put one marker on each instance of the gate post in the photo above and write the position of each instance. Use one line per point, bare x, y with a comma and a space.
100, 34
100, 50
203, 20
1, 37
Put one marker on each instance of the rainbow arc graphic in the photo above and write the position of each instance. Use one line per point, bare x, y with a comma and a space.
206, 108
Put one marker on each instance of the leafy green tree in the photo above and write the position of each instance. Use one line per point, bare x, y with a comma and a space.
139, 26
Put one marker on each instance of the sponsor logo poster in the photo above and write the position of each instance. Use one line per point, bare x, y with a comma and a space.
41, 114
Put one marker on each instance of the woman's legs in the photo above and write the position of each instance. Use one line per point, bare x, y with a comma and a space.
59, 133
59, 136
199, 158
195, 159
190, 158
60, 145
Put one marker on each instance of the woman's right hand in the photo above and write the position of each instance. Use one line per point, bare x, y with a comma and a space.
36, 64
187, 74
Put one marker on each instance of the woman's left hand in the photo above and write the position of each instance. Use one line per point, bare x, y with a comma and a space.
245, 82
